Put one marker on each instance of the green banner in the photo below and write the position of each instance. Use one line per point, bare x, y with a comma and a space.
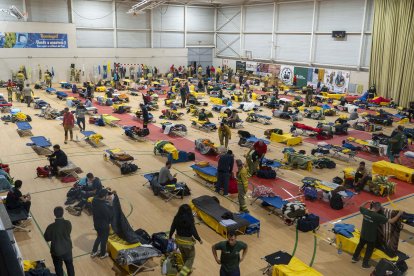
301, 76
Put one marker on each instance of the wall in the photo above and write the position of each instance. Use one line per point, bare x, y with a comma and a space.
60, 59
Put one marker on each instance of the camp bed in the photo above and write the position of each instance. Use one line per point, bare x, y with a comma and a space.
133, 258
327, 187
349, 245
206, 146
216, 100
92, 138
211, 213
174, 129
390, 169
286, 138
41, 145
169, 191
50, 90
333, 95
249, 142
69, 170
61, 95
284, 264
24, 129
338, 152
92, 110
208, 173
118, 157
203, 125
110, 120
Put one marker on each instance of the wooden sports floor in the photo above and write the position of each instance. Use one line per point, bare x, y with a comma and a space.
153, 214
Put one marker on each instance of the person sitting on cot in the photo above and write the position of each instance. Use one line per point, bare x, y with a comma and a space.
165, 177
57, 159
88, 102
202, 116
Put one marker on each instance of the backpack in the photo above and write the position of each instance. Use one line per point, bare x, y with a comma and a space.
5, 167
190, 156
127, 168
336, 202
143, 236
142, 132
74, 192
338, 180
308, 223
160, 241
100, 122
266, 174
310, 193
43, 171
386, 267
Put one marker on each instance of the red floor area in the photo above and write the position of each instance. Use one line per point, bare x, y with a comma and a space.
279, 185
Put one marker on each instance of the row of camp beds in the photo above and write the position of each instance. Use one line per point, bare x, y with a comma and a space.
336, 152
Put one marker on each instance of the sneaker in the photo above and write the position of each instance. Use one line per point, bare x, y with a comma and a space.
354, 260
66, 142
94, 254
366, 266
103, 256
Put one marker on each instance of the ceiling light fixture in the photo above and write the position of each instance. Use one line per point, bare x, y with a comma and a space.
143, 5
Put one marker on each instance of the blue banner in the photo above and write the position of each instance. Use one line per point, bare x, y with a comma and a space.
33, 40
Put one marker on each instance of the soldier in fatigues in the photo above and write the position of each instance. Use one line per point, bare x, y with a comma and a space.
72, 74
77, 76
242, 185
48, 78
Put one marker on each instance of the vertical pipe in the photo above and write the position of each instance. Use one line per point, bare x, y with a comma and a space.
215, 29
272, 49
241, 31
361, 43
70, 13
312, 33
115, 25
185, 26
24, 8
152, 27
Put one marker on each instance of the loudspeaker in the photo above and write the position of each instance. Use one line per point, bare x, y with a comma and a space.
338, 34
72, 65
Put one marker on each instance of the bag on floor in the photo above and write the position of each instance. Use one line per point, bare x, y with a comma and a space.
338, 180
160, 241
386, 267
127, 168
5, 167
190, 156
308, 223
266, 174
310, 193
336, 202
43, 171
143, 236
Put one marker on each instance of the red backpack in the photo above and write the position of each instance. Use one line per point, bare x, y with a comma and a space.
43, 171
5, 167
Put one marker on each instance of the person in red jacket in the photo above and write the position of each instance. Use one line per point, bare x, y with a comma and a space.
260, 150
68, 123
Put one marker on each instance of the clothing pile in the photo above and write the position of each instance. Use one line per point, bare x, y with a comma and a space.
381, 186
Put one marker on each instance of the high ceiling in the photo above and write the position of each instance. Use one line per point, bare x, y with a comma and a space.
208, 2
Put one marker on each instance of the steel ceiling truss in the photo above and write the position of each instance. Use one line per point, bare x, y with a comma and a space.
219, 32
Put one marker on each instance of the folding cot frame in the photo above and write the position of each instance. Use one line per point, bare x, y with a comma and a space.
261, 119
337, 152
24, 129
87, 134
169, 194
118, 163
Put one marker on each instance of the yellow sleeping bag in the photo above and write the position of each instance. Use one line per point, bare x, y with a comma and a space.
287, 138
295, 268
170, 148
349, 245
398, 171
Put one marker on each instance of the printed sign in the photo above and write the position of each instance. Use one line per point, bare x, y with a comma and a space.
286, 74
33, 40
337, 81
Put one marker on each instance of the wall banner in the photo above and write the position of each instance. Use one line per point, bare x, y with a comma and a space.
301, 76
286, 74
33, 40
251, 66
240, 66
337, 80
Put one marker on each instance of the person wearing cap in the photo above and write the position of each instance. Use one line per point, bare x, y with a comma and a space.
370, 222
224, 134
102, 217
395, 144
242, 185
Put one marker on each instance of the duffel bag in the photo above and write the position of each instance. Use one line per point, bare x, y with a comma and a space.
43, 171
310, 193
160, 241
144, 237
308, 223
266, 174
386, 267
127, 168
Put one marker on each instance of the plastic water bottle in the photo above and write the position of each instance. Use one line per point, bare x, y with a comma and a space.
340, 248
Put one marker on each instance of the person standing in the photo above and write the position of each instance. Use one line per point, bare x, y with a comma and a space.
224, 134
10, 90
27, 93
80, 116
102, 217
183, 94
370, 222
230, 258
309, 94
224, 172
242, 185
395, 144
58, 234
68, 124
145, 115
186, 236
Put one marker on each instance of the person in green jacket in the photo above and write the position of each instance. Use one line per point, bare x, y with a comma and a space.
224, 133
242, 185
396, 144
371, 220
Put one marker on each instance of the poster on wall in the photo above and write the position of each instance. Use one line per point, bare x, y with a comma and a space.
286, 74
301, 76
274, 69
240, 66
33, 40
337, 80
251, 66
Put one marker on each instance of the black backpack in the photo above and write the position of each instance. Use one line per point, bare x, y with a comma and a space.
308, 223
144, 237
160, 241
190, 156
127, 168
142, 132
386, 267
266, 174
336, 202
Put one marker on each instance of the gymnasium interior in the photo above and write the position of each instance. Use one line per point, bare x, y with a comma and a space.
322, 85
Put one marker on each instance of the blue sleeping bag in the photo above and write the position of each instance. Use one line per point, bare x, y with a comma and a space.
344, 229
61, 95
